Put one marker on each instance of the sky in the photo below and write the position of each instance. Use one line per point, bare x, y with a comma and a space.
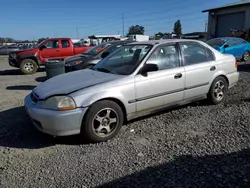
33, 19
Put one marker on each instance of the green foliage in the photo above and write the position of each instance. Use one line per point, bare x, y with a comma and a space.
136, 30
178, 28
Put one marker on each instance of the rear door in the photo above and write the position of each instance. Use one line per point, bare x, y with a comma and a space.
200, 67
66, 49
52, 50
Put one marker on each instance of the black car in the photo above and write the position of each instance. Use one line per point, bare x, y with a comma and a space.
92, 56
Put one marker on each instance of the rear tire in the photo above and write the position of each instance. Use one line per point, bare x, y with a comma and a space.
28, 66
103, 121
218, 91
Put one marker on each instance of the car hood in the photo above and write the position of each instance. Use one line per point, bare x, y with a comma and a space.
27, 51
69, 82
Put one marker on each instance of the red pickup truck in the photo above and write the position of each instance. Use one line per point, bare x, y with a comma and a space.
54, 48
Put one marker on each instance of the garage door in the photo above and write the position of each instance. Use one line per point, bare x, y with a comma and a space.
229, 21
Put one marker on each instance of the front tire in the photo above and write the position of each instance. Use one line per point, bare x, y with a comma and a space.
103, 121
218, 91
28, 66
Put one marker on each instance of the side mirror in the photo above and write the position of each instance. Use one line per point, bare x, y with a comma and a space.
149, 68
226, 46
42, 47
104, 54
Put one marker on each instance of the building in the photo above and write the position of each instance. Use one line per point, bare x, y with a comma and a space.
222, 20
103, 38
195, 35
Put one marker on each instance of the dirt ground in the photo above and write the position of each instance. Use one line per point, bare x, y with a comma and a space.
193, 146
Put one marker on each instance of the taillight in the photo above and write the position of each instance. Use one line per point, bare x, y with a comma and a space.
236, 64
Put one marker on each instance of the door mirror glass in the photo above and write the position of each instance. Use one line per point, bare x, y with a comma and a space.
149, 68
42, 47
226, 46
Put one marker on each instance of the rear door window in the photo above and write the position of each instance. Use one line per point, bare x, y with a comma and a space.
65, 44
195, 53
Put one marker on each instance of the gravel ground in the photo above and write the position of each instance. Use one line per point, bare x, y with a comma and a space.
194, 146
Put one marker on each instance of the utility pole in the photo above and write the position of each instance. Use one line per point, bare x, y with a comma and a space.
77, 32
206, 27
206, 30
123, 24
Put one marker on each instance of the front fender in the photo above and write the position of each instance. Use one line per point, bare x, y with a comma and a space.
122, 94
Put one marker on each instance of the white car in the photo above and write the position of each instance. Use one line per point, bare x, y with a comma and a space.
137, 79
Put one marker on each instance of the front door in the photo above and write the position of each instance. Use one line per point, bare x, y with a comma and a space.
52, 50
200, 67
165, 86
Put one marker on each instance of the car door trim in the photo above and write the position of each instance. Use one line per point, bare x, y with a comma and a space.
167, 93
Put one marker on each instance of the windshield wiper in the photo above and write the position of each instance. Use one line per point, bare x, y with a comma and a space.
104, 70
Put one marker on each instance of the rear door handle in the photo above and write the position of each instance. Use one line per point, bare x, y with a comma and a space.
213, 68
177, 76
57, 50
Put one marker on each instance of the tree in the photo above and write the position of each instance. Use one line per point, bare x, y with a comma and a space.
2, 40
159, 34
41, 39
10, 41
137, 29
178, 28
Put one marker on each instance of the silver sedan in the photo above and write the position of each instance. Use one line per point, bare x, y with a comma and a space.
137, 79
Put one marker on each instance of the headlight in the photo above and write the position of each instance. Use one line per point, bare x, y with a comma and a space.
61, 103
72, 63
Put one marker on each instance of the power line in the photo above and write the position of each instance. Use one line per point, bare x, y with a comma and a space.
170, 9
164, 23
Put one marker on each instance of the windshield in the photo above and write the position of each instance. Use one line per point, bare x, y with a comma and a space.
95, 50
38, 45
216, 42
124, 60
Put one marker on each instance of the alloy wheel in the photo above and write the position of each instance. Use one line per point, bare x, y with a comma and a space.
219, 90
29, 67
246, 56
105, 122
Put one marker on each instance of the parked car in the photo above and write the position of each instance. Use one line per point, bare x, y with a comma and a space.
30, 60
5, 50
231, 45
92, 56
137, 79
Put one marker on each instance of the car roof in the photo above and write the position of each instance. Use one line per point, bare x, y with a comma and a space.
228, 38
164, 41
120, 41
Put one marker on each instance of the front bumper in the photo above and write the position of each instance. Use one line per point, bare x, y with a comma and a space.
14, 62
56, 123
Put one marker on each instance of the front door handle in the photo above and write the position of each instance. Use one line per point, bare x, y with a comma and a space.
177, 76
57, 50
213, 68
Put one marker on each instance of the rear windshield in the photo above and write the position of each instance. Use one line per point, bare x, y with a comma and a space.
97, 49
216, 42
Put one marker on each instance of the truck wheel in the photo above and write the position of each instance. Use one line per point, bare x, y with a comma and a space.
103, 121
218, 91
28, 66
